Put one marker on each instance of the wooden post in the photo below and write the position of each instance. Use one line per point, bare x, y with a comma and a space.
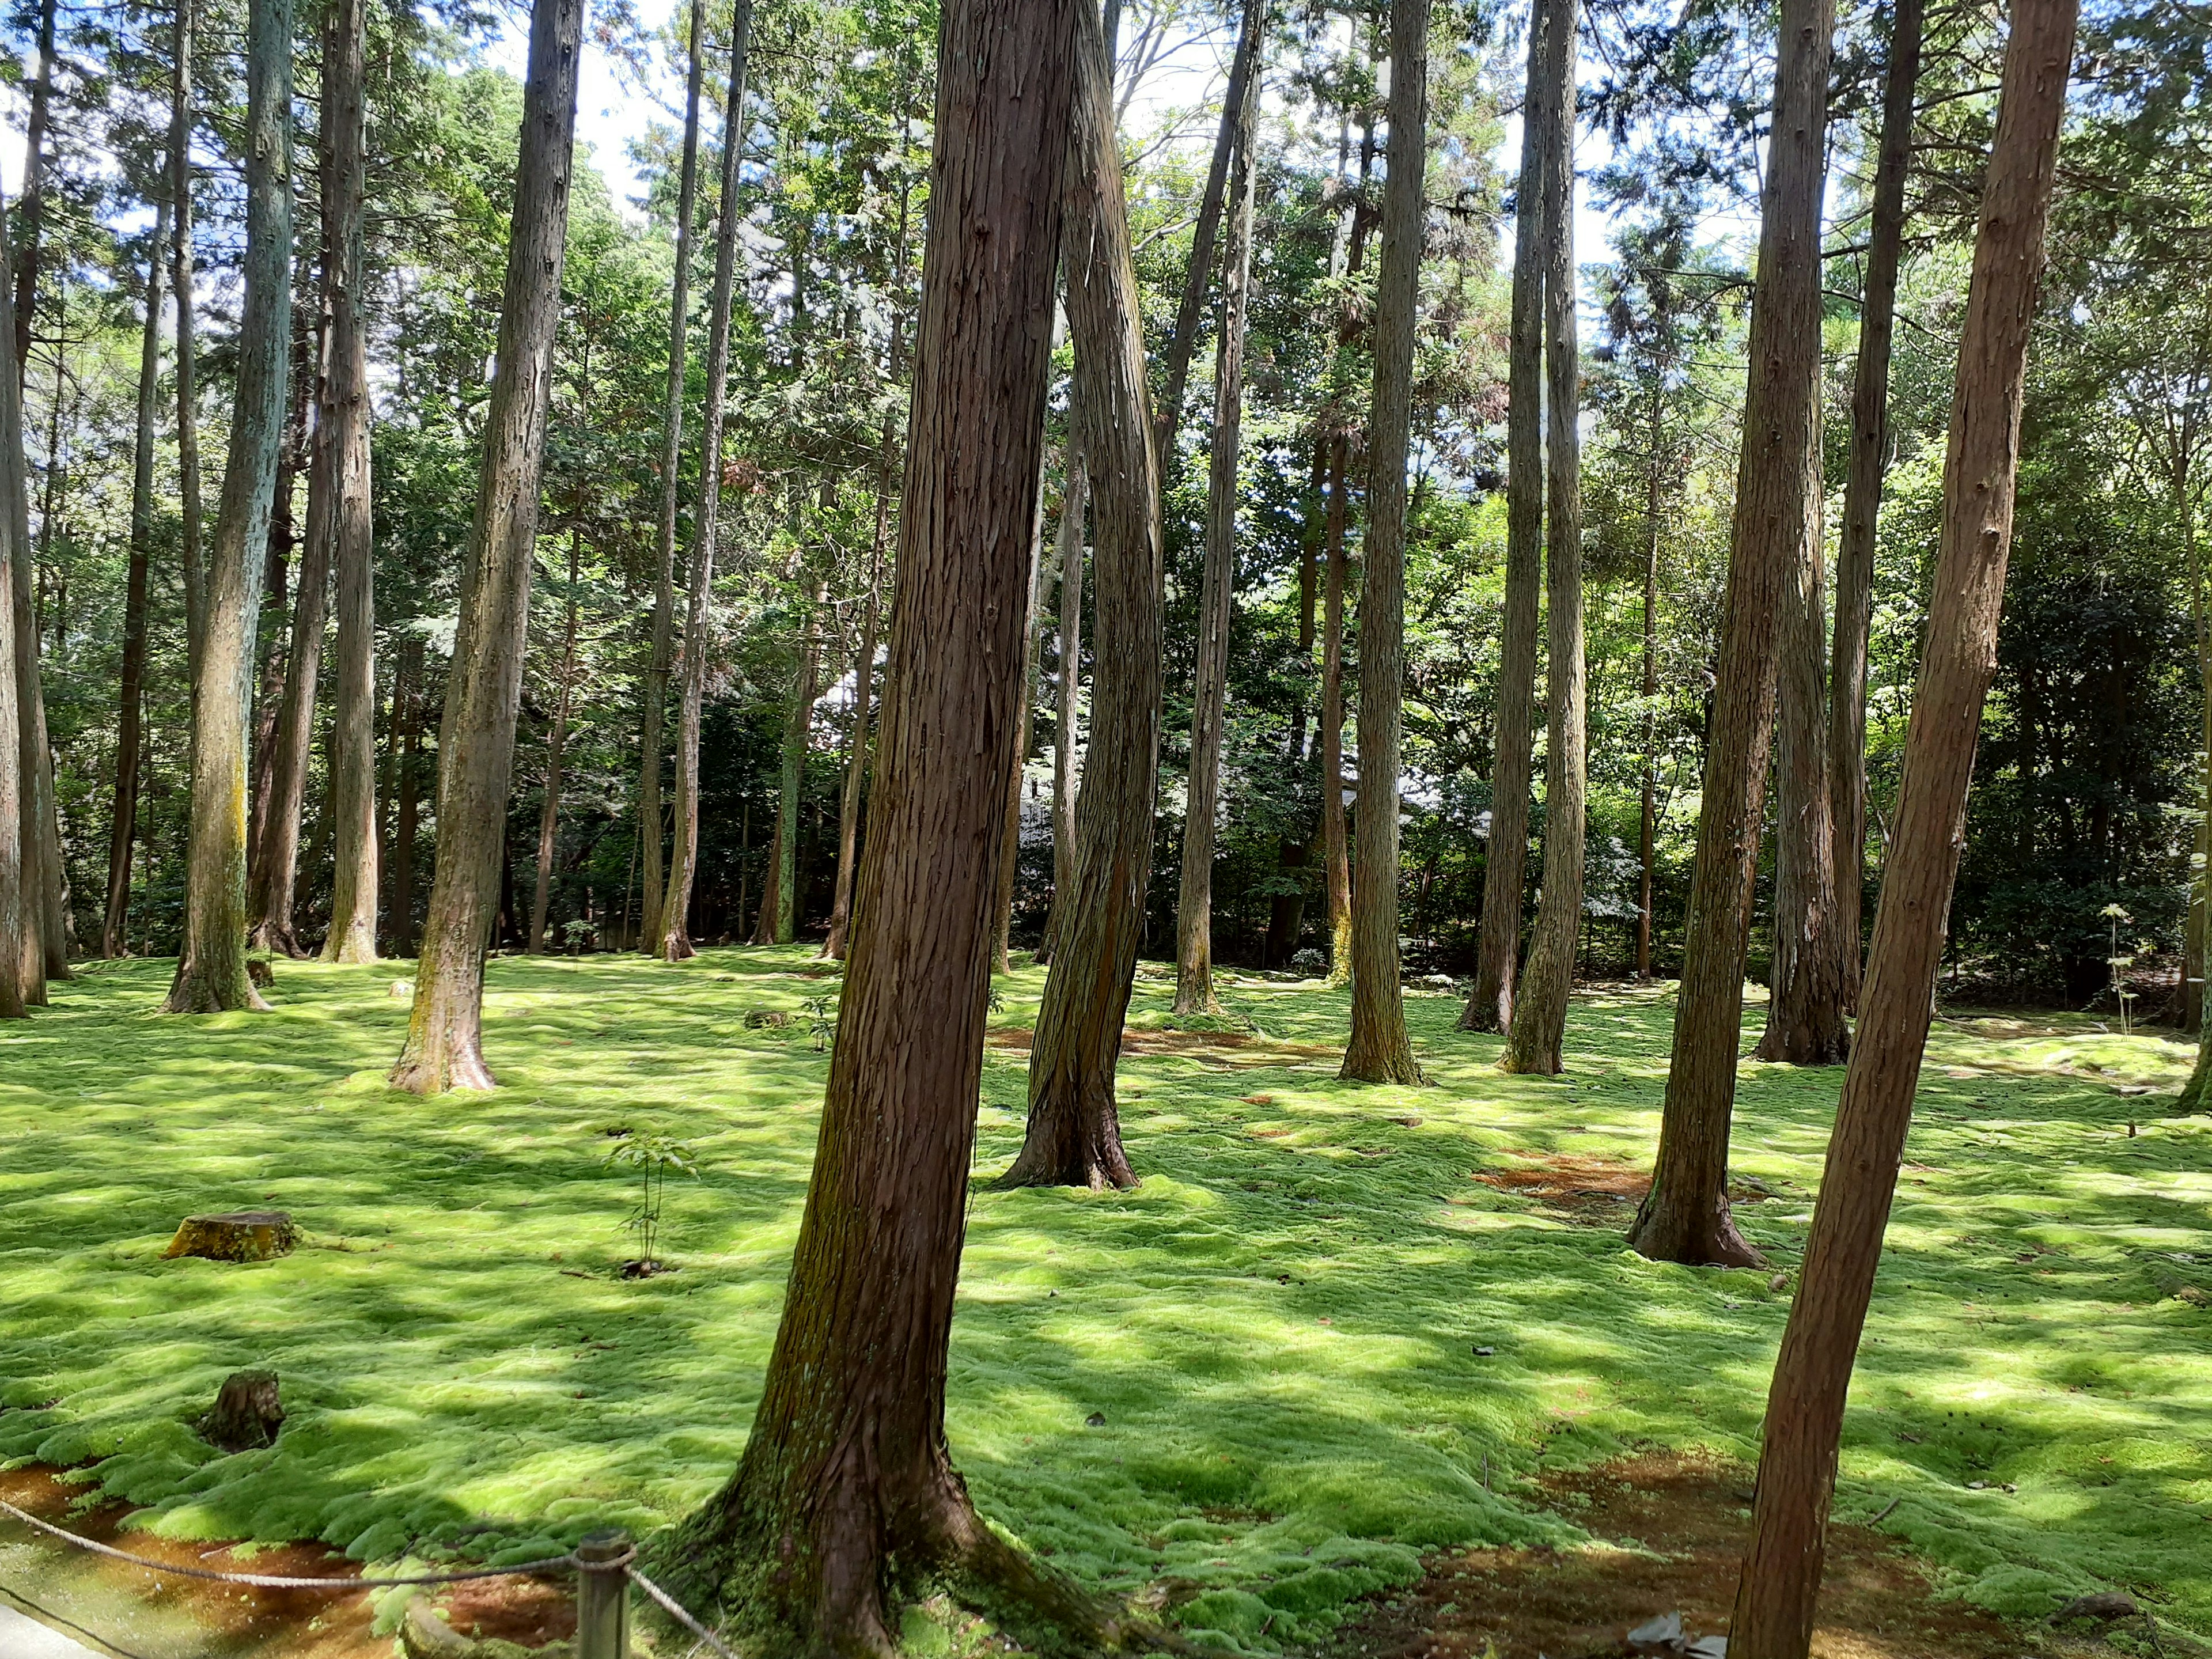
603, 1596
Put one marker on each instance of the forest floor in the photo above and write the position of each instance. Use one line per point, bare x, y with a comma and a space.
1347, 1354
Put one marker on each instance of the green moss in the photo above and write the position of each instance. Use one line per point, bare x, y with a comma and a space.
1279, 1328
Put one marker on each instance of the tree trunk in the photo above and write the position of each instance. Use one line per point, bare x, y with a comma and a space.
1648, 832
43, 875
674, 910
549, 814
34, 193
131, 704
846, 1499
1538, 1028
778, 922
1505, 869
1010, 863
1862, 487
2193, 1095
1250, 29
1074, 1133
1218, 603
272, 635
180, 286
672, 460
407, 720
1335, 840
22, 963
1685, 1217
275, 868
1380, 1051
211, 970
342, 446
1075, 500
1782, 1568
484, 687
835, 945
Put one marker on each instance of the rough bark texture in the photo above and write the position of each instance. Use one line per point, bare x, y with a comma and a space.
1538, 1027
673, 912
837, 941
40, 878
657, 666
846, 1499
180, 288
1647, 844
484, 687
1782, 1568
34, 193
1505, 869
1380, 1051
1067, 686
1218, 603
1335, 838
407, 718
21, 966
549, 809
342, 446
1685, 1217
211, 971
1074, 1133
1184, 335
778, 922
130, 702
1002, 901
275, 855
1862, 485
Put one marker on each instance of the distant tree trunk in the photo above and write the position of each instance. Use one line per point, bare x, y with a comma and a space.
342, 447
1074, 1133
279, 622
672, 460
549, 814
34, 193
131, 702
1075, 503
1782, 1568
274, 872
1505, 869
1251, 26
44, 877
407, 718
675, 908
2200, 1075
211, 970
846, 1482
1685, 1217
484, 687
1218, 603
1862, 487
22, 963
856, 760
778, 913
1538, 1028
1648, 832
1010, 864
180, 285
1335, 840
1380, 1051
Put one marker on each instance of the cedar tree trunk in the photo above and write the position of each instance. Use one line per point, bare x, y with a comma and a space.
548, 811
180, 286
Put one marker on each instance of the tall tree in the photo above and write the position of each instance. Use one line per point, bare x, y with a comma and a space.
36, 132
837, 941
1380, 1051
1074, 1133
1782, 1570
342, 468
180, 286
1862, 487
845, 1485
131, 700
1538, 1028
25, 733
1217, 602
1068, 563
549, 812
649, 829
21, 961
1505, 872
406, 785
1010, 864
476, 743
211, 969
674, 909
1685, 1216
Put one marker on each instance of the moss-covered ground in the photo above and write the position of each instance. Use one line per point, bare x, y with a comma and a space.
1310, 1347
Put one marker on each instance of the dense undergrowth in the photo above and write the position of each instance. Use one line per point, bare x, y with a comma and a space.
1310, 1347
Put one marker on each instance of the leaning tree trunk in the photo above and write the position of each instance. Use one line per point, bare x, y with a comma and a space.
548, 811
1380, 1051
1685, 1217
1862, 487
1782, 1568
1505, 869
1184, 334
343, 440
671, 458
180, 287
130, 702
845, 1500
211, 970
1218, 603
1538, 1030
484, 687
1075, 1135
674, 910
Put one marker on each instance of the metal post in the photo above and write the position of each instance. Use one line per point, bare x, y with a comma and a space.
603, 1596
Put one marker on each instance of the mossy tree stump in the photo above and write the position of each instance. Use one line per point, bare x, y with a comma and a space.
247, 1412
239, 1236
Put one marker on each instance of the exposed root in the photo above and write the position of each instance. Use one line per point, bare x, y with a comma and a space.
1696, 1235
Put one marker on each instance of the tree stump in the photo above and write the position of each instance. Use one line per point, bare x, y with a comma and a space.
259, 973
239, 1236
246, 1413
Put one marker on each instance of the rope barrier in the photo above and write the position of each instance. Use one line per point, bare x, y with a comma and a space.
669, 1605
